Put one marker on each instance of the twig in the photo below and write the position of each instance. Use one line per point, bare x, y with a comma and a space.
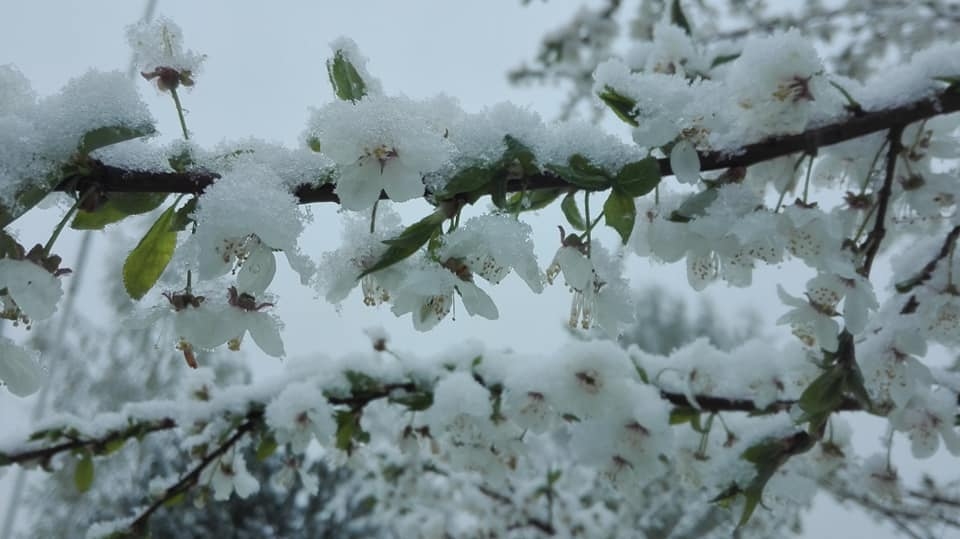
871, 245
139, 524
97, 444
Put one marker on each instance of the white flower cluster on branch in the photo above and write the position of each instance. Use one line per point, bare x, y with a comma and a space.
859, 346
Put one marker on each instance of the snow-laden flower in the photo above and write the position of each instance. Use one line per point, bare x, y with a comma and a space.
926, 419
491, 245
891, 371
426, 292
827, 290
228, 475
816, 238
284, 479
812, 322
600, 295
379, 143
881, 478
659, 99
360, 250
28, 288
244, 216
775, 83
300, 414
685, 162
19, 370
940, 316
202, 324
158, 52
929, 195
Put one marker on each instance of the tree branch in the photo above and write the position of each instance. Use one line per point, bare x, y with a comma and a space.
108, 178
139, 525
872, 244
712, 404
97, 445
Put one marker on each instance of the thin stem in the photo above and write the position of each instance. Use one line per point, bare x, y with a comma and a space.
806, 181
783, 193
586, 213
183, 122
63, 222
873, 165
373, 216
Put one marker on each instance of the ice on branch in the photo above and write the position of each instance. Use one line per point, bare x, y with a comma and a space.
379, 143
19, 370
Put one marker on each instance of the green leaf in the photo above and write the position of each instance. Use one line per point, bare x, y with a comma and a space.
683, 414
723, 59
532, 200
116, 208
266, 447
176, 499
150, 257
314, 144
468, 180
638, 178
621, 105
8, 245
619, 213
581, 173
678, 18
182, 218
361, 383
518, 153
27, 197
83, 473
112, 446
825, 393
415, 402
111, 134
408, 242
572, 212
345, 79
349, 430
694, 206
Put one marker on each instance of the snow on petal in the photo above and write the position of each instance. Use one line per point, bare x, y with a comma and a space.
685, 162
31, 287
19, 369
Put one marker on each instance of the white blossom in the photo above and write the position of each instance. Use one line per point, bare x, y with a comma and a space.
19, 370
379, 143
427, 294
812, 322
228, 475
491, 245
33, 290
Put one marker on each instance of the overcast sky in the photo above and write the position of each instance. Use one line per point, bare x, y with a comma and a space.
265, 68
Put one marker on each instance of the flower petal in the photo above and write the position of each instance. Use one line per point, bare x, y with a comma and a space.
20, 372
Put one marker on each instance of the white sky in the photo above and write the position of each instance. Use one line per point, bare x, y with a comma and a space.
265, 67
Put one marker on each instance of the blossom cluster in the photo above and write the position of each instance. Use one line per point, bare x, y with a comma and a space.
483, 412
